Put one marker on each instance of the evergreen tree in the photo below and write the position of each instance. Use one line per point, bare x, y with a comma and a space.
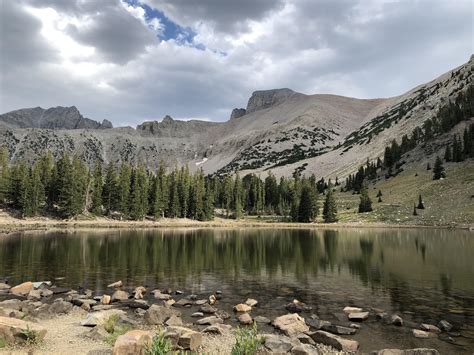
183, 191
208, 202
421, 206
379, 195
97, 190
447, 153
330, 208
124, 183
438, 170
415, 213
47, 169
237, 197
139, 193
198, 196
428, 166
35, 195
111, 190
173, 206
4, 174
365, 204
307, 209
271, 192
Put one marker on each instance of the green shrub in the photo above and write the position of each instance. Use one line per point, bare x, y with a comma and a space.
118, 331
159, 345
111, 323
3, 343
247, 341
30, 336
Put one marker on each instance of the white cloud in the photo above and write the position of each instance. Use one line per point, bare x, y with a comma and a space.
105, 57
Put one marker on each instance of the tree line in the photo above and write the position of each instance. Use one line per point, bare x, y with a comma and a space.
68, 187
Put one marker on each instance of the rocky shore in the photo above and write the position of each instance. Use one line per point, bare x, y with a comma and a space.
38, 317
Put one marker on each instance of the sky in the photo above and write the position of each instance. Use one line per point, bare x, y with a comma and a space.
134, 60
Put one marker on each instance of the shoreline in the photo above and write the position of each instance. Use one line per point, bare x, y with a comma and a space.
11, 224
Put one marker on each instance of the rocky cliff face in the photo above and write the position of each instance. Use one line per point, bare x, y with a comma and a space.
267, 98
281, 130
51, 118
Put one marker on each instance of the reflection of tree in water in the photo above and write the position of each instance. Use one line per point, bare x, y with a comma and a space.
330, 238
446, 284
368, 272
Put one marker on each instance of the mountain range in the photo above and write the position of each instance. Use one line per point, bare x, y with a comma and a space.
280, 130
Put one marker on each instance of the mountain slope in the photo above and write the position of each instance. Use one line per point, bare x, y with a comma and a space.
279, 130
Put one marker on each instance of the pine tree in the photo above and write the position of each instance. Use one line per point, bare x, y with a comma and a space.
379, 195
330, 208
48, 175
428, 166
139, 193
208, 202
35, 195
4, 174
97, 190
124, 183
415, 213
65, 187
420, 206
111, 190
438, 170
237, 197
183, 191
307, 209
448, 154
365, 204
173, 205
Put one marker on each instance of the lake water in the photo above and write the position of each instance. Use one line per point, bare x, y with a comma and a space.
425, 275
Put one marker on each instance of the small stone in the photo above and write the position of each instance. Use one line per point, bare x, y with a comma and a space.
178, 292
105, 299
396, 320
99, 318
157, 315
297, 307
212, 300
197, 314
358, 316
207, 308
445, 326
34, 295
222, 314
209, 321
305, 339
161, 296
430, 328
190, 341
138, 293
349, 310
337, 329
22, 289
317, 323
97, 334
183, 302
200, 302
241, 307
251, 302
116, 284
217, 329
60, 307
263, 320
46, 293
119, 295
4, 286
420, 334
277, 344
245, 318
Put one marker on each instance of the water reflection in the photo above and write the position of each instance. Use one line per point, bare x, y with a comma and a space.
407, 270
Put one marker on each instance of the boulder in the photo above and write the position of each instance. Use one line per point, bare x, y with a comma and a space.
222, 314
42, 284
22, 289
209, 321
304, 349
217, 329
317, 323
4, 286
97, 334
174, 321
278, 344
134, 304
14, 330
245, 319
358, 316
290, 324
158, 315
349, 310
251, 302
190, 340
116, 284
445, 326
99, 318
60, 307
46, 293
161, 296
132, 342
212, 300
8, 312
305, 339
242, 307
396, 320
12, 304
119, 295
335, 341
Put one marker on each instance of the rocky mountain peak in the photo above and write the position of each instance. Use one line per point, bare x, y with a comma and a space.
237, 112
267, 98
167, 119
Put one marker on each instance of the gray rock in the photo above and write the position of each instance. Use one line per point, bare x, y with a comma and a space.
237, 113
157, 315
267, 98
244, 318
358, 316
183, 302
316, 323
211, 320
208, 309
261, 319
60, 307
430, 328
337, 329
304, 349
278, 344
335, 341
120, 295
197, 314
396, 320
420, 334
445, 326
419, 351
305, 339
174, 321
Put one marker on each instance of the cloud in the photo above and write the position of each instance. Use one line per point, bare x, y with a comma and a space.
132, 60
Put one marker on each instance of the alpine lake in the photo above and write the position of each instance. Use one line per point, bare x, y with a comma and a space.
423, 275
